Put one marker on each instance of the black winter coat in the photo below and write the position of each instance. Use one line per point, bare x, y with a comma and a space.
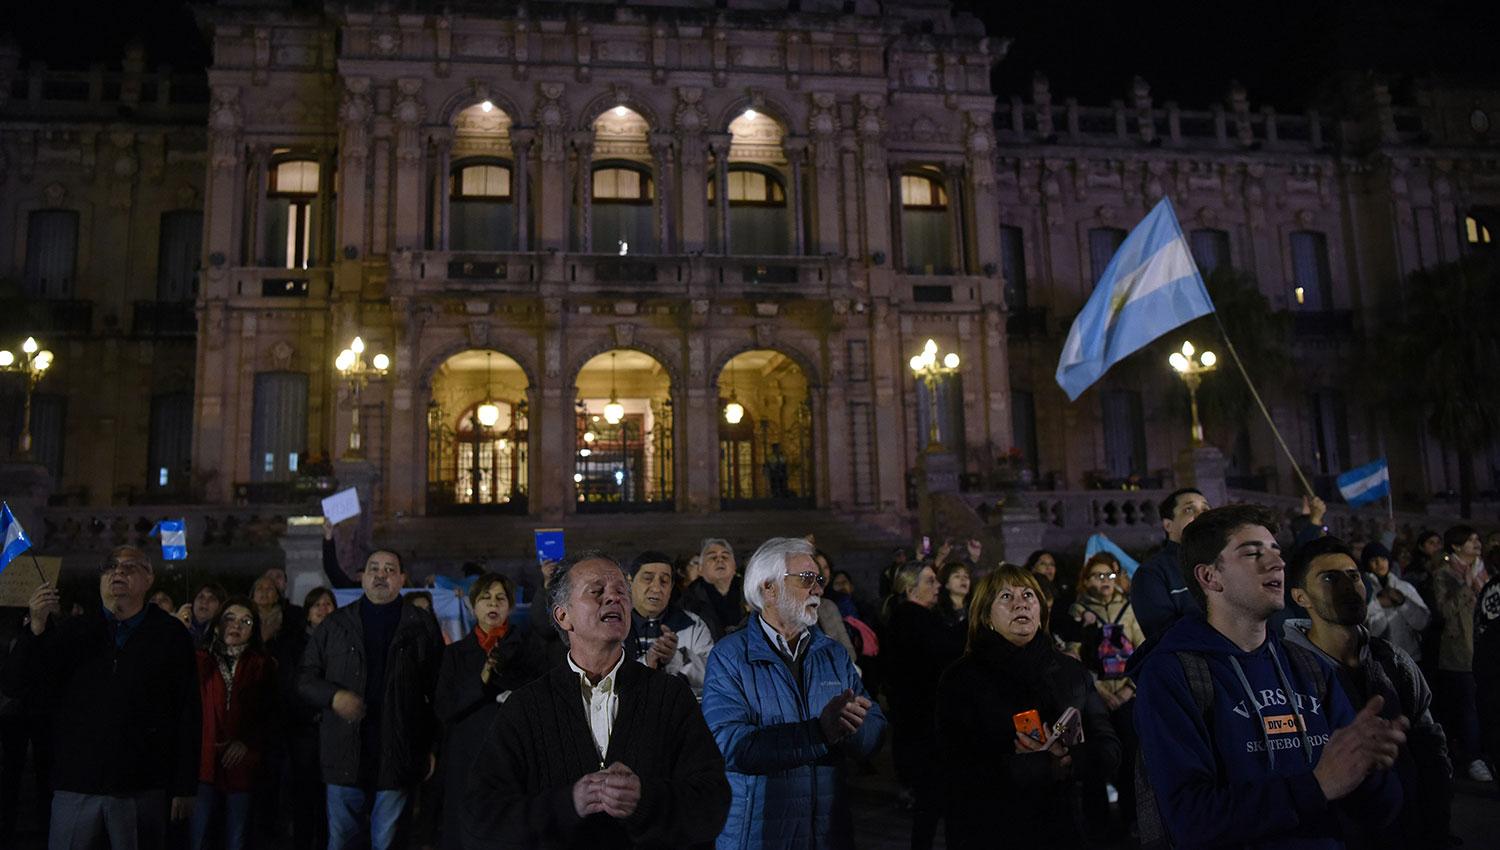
993, 790
125, 719
916, 648
466, 708
335, 661
520, 792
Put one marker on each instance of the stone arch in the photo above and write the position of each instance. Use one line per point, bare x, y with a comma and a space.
471, 95
607, 344
769, 107
434, 361
606, 101
791, 352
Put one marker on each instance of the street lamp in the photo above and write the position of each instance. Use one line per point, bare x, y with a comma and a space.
33, 363
927, 368
355, 373
1192, 371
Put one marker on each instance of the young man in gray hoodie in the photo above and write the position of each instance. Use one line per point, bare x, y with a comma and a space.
1325, 580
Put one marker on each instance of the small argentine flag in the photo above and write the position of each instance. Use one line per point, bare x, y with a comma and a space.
1366, 484
173, 539
1150, 287
1100, 543
15, 537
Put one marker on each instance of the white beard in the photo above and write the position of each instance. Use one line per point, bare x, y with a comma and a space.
799, 612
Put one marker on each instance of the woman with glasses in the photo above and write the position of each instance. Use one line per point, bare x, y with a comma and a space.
997, 777
237, 685
477, 673
1108, 634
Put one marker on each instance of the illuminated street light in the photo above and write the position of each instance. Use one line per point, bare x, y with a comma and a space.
33, 363
930, 371
1192, 371
352, 368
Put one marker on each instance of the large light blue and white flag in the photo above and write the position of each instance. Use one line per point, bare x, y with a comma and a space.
1368, 483
173, 539
14, 535
1150, 287
1100, 543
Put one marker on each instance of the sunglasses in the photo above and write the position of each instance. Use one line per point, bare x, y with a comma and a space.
808, 579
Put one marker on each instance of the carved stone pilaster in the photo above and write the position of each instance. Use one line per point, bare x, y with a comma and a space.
225, 124
355, 111
409, 112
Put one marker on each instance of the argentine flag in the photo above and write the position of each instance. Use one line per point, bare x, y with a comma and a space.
1150, 287
1101, 543
14, 535
1366, 484
173, 539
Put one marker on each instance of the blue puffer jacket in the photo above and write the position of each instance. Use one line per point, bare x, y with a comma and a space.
787, 780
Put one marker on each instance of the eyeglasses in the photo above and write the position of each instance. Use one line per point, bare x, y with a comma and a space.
127, 567
1110, 576
247, 622
808, 579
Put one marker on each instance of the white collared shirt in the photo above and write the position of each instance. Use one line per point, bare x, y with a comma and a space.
780, 642
601, 703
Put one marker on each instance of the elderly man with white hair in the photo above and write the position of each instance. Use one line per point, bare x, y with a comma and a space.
788, 710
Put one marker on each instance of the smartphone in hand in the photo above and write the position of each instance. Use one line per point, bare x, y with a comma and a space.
1069, 727
1029, 724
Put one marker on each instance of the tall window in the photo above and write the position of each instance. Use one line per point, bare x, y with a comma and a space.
1023, 425
758, 223
1477, 231
1330, 420
1210, 249
177, 253
622, 209
482, 215
926, 227
51, 253
1013, 266
278, 434
1312, 284
291, 214
171, 441
1103, 243
1124, 433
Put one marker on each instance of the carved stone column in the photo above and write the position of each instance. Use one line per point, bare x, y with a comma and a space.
796, 152
719, 144
442, 216
354, 154
875, 183
898, 241
253, 251
664, 178
958, 200
691, 193
583, 188
521, 143
552, 219
406, 205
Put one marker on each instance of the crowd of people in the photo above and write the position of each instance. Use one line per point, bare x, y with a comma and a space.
1225, 694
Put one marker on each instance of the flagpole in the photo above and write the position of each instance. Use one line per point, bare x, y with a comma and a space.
1281, 441
39, 572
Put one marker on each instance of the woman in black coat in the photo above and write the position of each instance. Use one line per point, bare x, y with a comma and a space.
916, 648
1000, 782
491, 660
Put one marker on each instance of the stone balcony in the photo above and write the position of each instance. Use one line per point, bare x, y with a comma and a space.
635, 275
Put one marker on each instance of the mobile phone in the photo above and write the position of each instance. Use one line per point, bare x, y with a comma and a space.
1029, 723
926, 545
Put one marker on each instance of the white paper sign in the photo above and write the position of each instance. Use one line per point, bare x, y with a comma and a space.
341, 506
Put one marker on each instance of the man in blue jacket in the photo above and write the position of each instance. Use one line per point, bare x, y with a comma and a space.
1158, 593
1248, 742
786, 706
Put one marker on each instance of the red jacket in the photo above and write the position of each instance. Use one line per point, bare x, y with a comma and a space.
249, 718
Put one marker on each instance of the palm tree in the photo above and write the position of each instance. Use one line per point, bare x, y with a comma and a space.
1440, 359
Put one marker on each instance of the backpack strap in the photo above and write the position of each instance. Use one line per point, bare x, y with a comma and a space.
1309, 668
1149, 822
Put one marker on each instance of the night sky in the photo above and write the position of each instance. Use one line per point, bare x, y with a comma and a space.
1289, 53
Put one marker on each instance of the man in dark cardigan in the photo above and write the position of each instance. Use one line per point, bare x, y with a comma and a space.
601, 752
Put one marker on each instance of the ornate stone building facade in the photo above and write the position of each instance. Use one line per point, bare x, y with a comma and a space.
672, 257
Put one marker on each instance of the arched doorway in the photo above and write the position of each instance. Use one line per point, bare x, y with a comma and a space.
623, 454
765, 433
478, 435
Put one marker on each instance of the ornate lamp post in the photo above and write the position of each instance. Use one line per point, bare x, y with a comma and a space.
33, 363
355, 373
929, 371
1192, 371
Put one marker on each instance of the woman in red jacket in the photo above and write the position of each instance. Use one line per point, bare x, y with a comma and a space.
237, 683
